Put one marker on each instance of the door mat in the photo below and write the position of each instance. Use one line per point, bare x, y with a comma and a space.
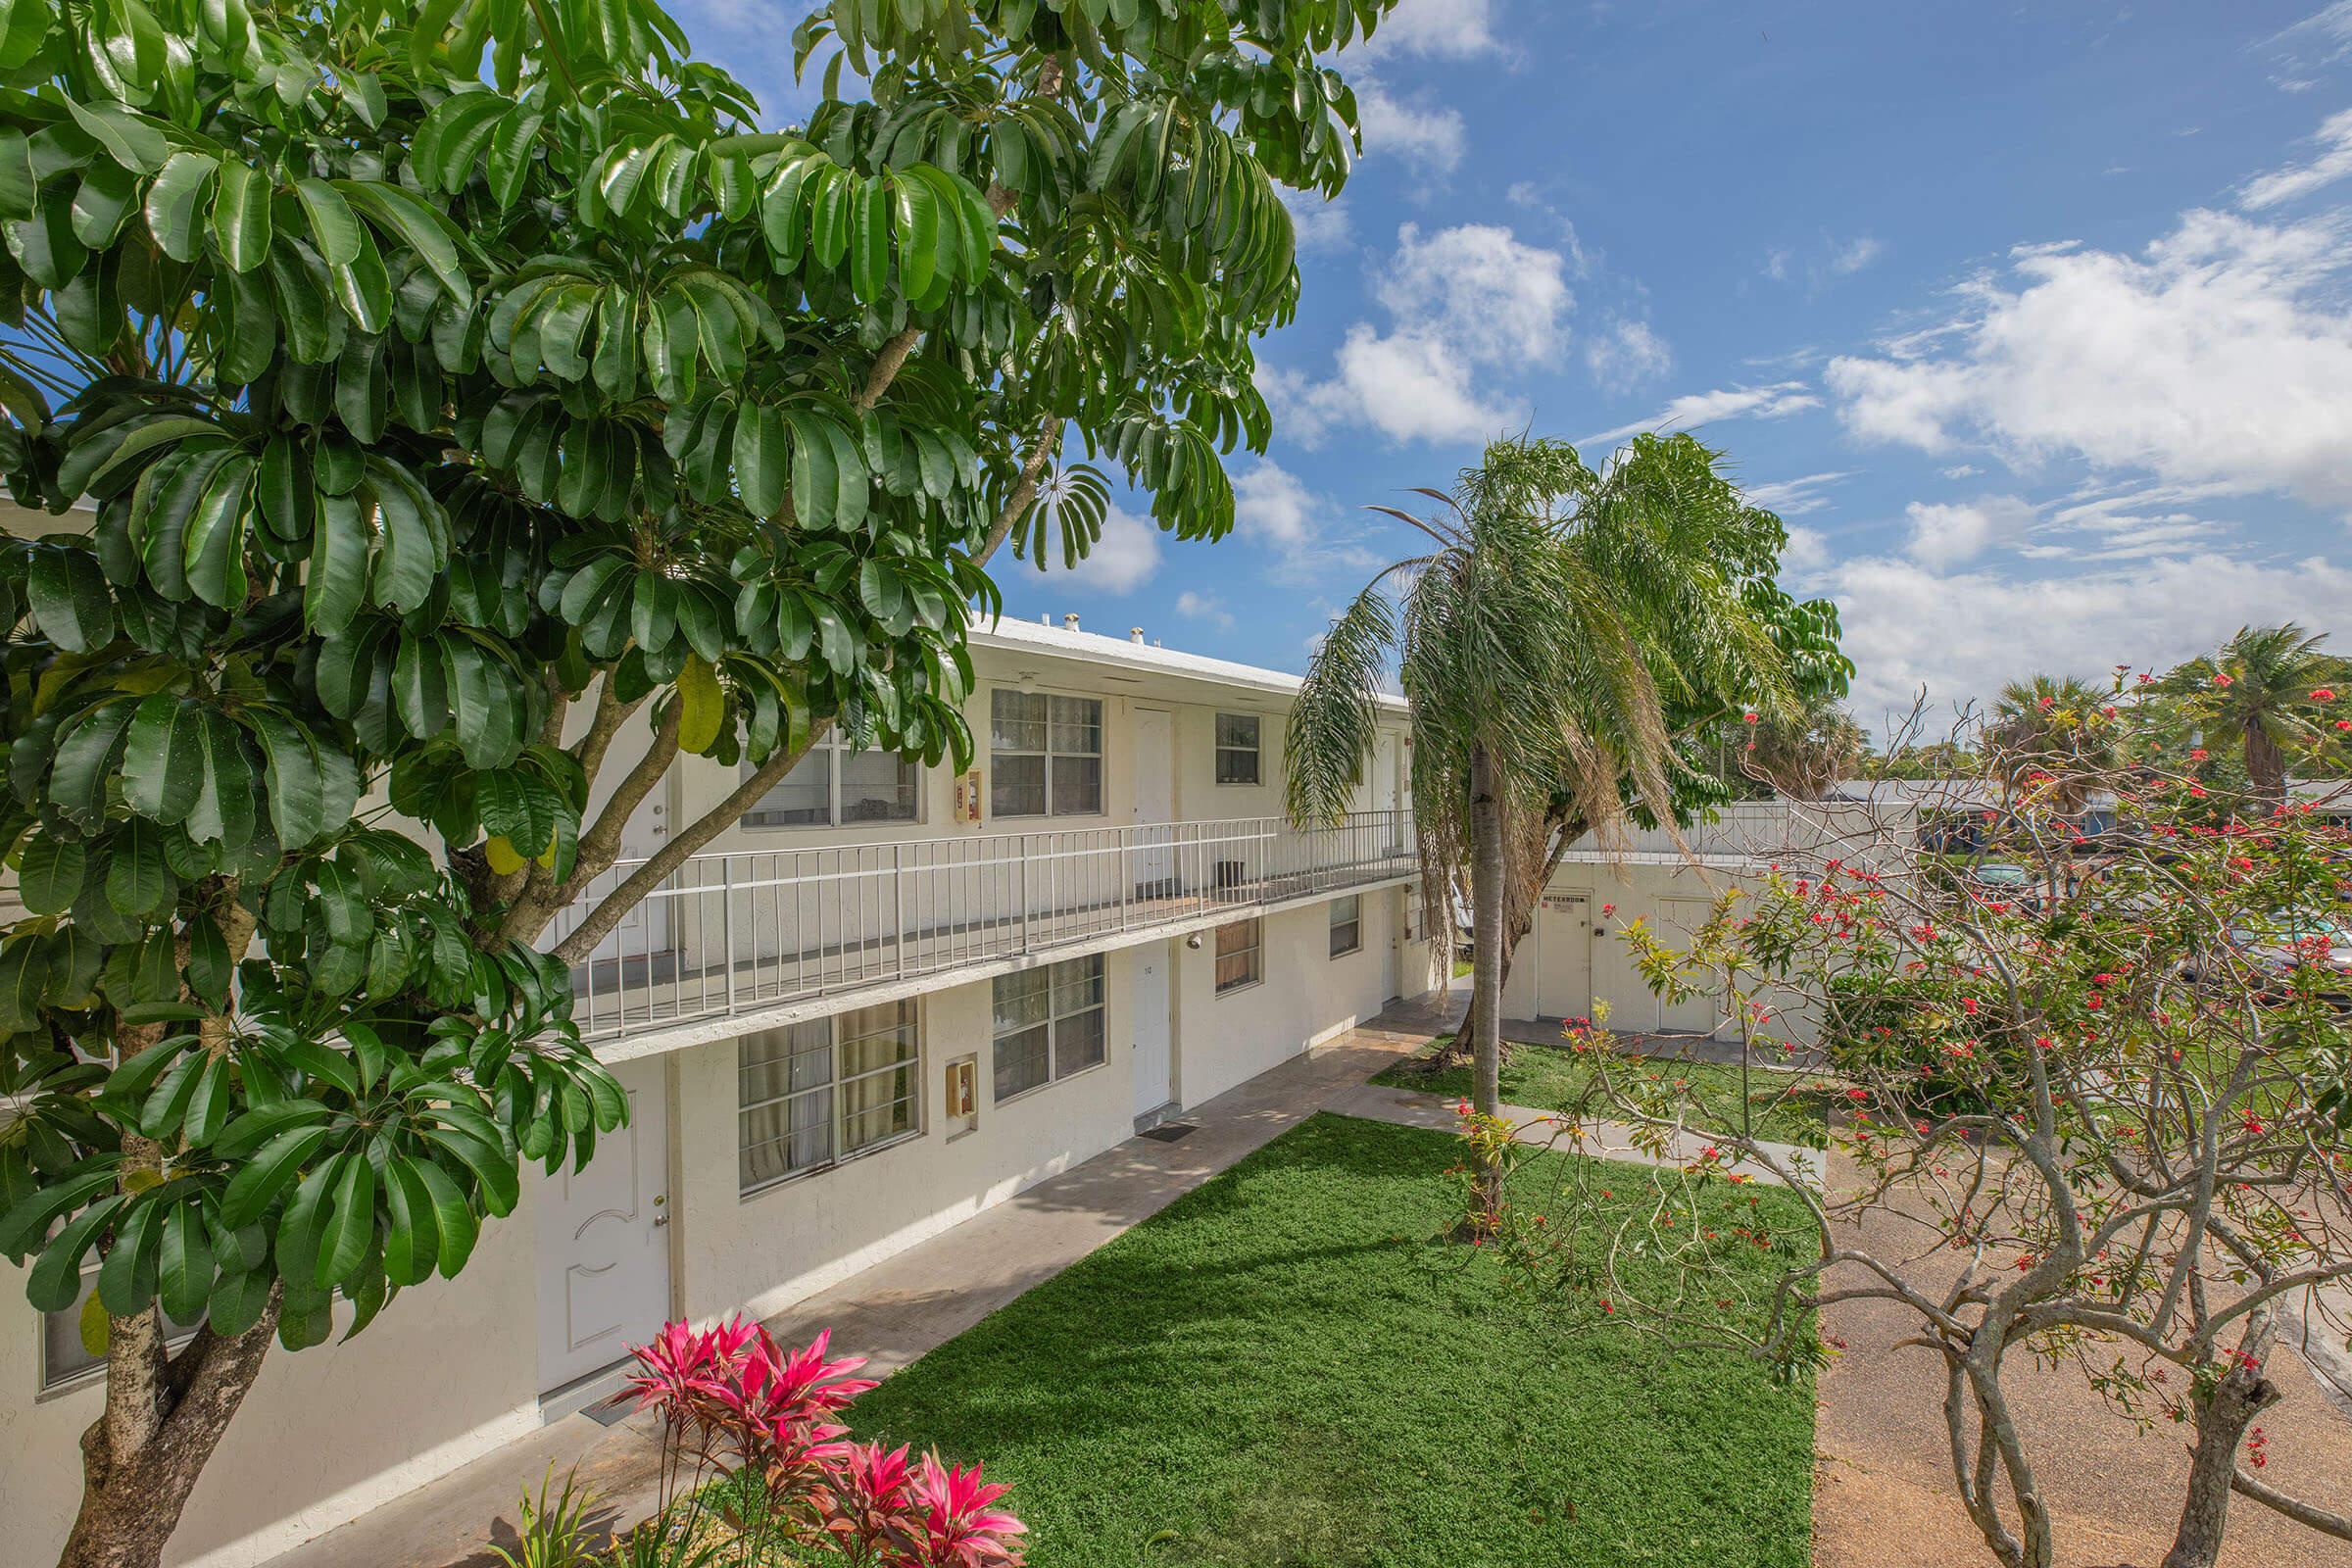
1170, 1132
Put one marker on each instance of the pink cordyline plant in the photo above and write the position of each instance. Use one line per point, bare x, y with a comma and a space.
735, 1403
952, 1524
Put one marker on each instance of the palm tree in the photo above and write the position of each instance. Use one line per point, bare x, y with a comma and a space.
2054, 728
1523, 642
2258, 689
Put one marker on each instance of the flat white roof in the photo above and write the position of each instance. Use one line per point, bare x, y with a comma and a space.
1088, 647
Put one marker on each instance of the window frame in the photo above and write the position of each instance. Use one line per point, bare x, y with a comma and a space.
911, 1018
1256, 952
1048, 754
48, 1386
1354, 922
1254, 750
1051, 1024
836, 751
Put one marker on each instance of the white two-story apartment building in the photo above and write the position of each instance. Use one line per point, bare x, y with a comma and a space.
889, 999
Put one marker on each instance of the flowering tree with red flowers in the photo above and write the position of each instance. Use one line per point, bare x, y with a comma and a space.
754, 1465
2096, 1114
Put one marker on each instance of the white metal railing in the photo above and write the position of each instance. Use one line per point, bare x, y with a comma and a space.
745, 930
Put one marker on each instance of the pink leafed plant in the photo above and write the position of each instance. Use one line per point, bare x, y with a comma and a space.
736, 1405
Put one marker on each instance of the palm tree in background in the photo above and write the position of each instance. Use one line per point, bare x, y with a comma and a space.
2260, 691
2057, 729
1523, 643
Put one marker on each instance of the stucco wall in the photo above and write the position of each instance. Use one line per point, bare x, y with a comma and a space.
1638, 892
447, 1372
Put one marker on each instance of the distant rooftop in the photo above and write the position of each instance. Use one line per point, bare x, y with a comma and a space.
1133, 652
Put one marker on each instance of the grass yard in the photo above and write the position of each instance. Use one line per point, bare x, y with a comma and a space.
1282, 1370
1549, 1078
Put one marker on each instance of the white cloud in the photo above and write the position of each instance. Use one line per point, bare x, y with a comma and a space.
1316, 224
1204, 606
1453, 29
1805, 555
1855, 255
1775, 401
1906, 624
1123, 559
1947, 534
2332, 163
1430, 138
1460, 300
1793, 497
1775, 265
1304, 532
1626, 355
2223, 354
1961, 471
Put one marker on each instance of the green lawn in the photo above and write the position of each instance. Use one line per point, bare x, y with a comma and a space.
1786, 1107
1283, 1370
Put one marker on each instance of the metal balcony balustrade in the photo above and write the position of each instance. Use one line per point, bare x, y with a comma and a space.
744, 931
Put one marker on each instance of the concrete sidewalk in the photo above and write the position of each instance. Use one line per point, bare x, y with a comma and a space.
899, 1308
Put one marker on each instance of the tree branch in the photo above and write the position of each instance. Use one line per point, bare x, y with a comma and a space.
1024, 491
2242, 1482
682, 845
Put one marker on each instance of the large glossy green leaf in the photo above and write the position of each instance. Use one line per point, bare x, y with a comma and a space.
241, 216
163, 758
68, 594
176, 203
214, 546
337, 582
335, 229
50, 875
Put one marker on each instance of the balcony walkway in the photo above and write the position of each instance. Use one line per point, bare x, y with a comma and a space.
751, 933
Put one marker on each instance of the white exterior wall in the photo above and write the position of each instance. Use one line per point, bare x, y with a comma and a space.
448, 1372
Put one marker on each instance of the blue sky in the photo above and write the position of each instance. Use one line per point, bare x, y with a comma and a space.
2034, 323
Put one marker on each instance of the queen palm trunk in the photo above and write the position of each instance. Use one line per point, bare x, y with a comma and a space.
1486, 932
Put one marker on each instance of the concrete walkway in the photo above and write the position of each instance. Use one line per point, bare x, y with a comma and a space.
896, 1311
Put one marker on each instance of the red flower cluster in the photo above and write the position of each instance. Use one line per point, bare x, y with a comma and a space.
742, 1402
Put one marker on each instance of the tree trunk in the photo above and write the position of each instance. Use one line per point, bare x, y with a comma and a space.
1519, 902
2266, 765
2240, 1394
1486, 932
141, 1459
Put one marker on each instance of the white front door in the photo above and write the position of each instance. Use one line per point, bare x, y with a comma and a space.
1700, 1012
1154, 798
604, 1245
623, 959
1154, 1063
1564, 958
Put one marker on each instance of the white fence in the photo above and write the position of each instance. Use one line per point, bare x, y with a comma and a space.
738, 932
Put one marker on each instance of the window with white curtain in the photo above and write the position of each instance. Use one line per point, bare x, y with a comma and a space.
1241, 954
816, 1092
1044, 755
838, 786
1048, 1024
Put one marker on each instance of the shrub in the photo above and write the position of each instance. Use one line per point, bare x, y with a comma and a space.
750, 1443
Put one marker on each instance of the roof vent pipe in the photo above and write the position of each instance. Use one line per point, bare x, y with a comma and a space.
1135, 634
1069, 622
